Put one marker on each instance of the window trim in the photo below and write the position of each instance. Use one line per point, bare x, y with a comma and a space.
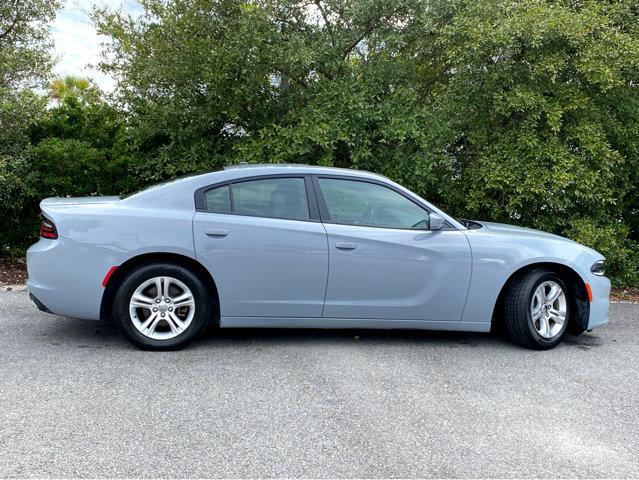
311, 200
326, 217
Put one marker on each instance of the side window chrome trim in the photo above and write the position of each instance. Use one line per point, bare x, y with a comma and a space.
234, 214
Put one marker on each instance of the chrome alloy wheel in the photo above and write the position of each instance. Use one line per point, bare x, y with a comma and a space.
548, 309
162, 308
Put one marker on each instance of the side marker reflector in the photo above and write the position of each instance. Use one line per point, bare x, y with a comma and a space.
589, 292
109, 273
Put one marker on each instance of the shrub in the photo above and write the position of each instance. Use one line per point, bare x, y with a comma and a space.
73, 149
611, 240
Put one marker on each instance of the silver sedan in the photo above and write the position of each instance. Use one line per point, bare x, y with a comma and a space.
300, 246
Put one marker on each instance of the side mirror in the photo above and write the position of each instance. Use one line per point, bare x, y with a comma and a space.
435, 222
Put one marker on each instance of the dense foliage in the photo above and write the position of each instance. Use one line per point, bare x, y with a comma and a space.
24, 64
542, 104
524, 112
25, 61
74, 150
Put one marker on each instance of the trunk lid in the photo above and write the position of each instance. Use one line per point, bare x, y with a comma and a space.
64, 213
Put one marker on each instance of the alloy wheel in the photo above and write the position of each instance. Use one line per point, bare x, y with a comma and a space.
162, 308
548, 309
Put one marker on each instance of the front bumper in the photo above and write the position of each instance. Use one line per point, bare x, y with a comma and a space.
65, 276
600, 304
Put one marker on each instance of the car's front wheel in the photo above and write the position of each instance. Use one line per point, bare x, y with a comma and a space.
161, 307
537, 309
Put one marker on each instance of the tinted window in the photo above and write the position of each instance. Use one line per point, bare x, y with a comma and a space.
361, 203
218, 200
271, 197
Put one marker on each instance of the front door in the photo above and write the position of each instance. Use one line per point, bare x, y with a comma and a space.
384, 261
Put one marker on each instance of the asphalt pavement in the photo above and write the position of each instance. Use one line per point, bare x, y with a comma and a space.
77, 400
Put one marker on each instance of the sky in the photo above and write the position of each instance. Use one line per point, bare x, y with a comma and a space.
77, 44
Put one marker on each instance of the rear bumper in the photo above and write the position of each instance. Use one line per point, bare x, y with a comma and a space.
65, 276
600, 288
38, 303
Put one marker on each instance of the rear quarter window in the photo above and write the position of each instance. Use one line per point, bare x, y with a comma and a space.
218, 200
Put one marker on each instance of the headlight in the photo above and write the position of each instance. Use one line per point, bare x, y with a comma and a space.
599, 268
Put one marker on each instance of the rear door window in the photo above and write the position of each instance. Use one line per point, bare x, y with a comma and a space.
268, 197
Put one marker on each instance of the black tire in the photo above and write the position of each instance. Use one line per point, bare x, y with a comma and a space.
516, 310
203, 308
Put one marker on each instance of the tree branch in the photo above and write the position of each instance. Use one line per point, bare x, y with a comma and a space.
369, 29
15, 21
328, 25
286, 73
349, 48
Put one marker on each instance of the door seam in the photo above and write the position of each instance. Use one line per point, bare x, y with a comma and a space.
328, 269
470, 279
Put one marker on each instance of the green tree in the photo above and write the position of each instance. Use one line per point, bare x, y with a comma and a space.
78, 88
75, 149
25, 60
541, 104
211, 82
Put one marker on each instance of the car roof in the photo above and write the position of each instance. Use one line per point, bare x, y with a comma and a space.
276, 168
263, 165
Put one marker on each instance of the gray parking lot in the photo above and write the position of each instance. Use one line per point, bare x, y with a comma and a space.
77, 400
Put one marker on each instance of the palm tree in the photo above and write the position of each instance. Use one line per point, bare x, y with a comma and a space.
70, 86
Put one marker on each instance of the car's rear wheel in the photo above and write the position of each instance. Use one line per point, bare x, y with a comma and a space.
537, 309
161, 307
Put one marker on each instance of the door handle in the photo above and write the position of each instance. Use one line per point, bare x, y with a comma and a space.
345, 246
216, 232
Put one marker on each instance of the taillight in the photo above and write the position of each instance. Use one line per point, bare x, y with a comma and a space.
47, 229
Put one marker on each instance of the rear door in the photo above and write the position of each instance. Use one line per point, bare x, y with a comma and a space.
384, 261
264, 245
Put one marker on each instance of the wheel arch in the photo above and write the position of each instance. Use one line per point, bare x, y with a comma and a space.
129, 265
577, 290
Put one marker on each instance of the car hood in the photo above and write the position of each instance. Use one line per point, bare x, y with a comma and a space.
512, 230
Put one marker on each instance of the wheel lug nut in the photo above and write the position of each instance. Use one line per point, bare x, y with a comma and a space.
170, 309
161, 314
155, 309
167, 300
157, 300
